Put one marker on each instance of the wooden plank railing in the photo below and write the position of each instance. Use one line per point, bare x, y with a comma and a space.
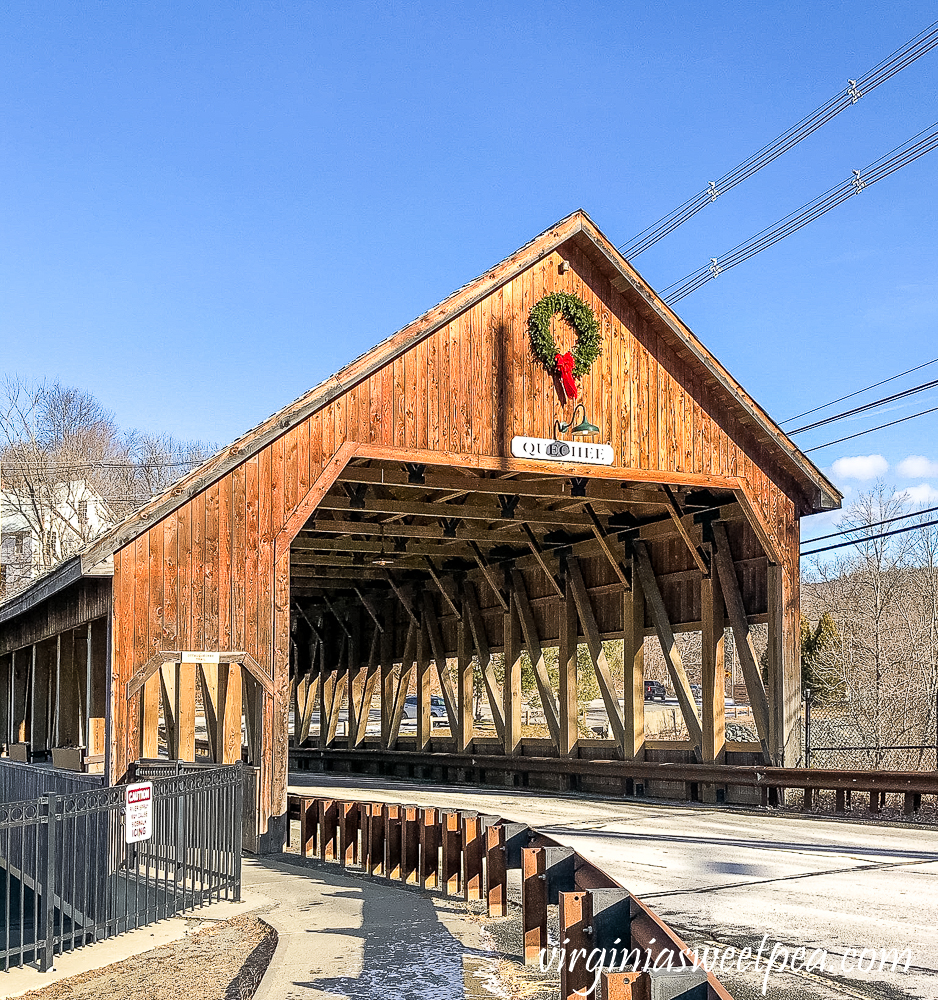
770, 781
466, 854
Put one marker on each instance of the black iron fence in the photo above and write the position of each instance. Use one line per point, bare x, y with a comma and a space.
838, 735
19, 782
69, 878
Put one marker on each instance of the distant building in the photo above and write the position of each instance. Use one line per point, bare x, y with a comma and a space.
36, 536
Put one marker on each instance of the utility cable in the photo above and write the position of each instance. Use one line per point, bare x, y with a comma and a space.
883, 71
872, 524
870, 538
850, 395
892, 423
901, 156
866, 406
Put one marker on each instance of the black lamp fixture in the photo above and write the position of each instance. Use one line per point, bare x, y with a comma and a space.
583, 429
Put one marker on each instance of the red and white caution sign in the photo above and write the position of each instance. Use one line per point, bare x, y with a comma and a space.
138, 816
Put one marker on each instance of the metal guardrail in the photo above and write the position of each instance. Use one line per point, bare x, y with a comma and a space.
468, 854
19, 782
69, 878
770, 781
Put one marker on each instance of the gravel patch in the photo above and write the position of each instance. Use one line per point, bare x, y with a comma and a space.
223, 961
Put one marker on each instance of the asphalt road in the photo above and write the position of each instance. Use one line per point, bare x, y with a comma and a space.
729, 878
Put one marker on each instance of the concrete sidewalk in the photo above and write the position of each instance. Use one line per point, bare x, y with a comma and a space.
348, 936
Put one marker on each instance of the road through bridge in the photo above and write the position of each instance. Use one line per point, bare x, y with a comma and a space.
728, 878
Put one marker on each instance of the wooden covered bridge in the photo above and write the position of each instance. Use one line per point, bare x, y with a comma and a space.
480, 485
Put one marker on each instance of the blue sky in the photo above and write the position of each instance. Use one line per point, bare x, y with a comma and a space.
206, 209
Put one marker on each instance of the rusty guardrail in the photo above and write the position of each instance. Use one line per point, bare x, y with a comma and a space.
770, 781
459, 852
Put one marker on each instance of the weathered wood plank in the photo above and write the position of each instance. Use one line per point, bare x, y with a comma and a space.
672, 654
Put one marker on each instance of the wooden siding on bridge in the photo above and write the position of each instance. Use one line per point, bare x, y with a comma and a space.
203, 577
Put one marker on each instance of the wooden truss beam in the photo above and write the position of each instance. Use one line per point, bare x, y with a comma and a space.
408, 664
432, 625
602, 536
595, 646
477, 627
748, 659
672, 654
536, 653
543, 559
677, 516
465, 511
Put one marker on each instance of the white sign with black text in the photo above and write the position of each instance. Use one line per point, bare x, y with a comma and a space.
197, 656
551, 450
138, 813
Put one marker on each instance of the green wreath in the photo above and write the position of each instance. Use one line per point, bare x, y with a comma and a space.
586, 348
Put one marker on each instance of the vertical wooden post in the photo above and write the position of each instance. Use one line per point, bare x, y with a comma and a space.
22, 666
633, 666
576, 918
6, 679
472, 857
784, 665
429, 849
511, 687
99, 686
356, 678
496, 872
327, 684
393, 840
464, 687
410, 844
150, 718
451, 852
207, 675
713, 679
229, 713
31, 717
39, 721
424, 720
533, 902
569, 628
52, 693
80, 654
68, 701
387, 675
309, 822
168, 683
376, 839
349, 821
185, 712
328, 829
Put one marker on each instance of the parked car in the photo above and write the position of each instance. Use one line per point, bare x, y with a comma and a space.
654, 691
697, 691
437, 707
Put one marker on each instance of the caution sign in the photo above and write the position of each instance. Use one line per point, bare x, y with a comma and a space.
138, 816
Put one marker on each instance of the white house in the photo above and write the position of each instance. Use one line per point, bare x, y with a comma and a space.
38, 532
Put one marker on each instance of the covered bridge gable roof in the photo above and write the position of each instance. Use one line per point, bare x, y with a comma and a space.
625, 279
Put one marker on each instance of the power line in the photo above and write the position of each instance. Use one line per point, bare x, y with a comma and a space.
872, 524
892, 423
892, 64
850, 395
79, 466
866, 406
870, 538
920, 144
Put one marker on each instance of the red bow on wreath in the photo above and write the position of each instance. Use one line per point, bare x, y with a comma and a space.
565, 370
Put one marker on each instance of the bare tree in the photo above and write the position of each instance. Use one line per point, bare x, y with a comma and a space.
67, 471
882, 596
